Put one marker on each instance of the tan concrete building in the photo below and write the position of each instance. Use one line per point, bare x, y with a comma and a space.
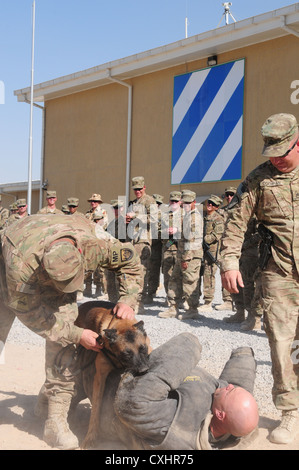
109, 123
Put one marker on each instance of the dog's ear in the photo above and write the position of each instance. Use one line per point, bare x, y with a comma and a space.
139, 325
111, 334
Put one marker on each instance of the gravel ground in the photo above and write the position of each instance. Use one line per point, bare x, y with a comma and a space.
217, 338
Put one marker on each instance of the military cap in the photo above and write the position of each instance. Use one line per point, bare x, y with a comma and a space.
21, 202
98, 214
13, 206
158, 198
115, 203
95, 197
64, 265
65, 208
278, 131
175, 196
230, 189
73, 201
138, 182
215, 199
188, 196
51, 194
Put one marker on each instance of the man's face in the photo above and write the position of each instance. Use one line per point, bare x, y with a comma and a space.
139, 192
94, 204
229, 196
174, 205
290, 161
22, 210
52, 201
211, 207
72, 209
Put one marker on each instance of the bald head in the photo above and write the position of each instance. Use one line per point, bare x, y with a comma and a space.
235, 411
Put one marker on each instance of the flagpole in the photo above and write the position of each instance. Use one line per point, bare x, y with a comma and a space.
31, 115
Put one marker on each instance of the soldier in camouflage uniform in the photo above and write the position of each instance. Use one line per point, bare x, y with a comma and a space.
271, 192
189, 258
141, 215
42, 268
13, 208
213, 231
73, 204
4, 214
117, 229
171, 230
20, 214
98, 277
156, 255
50, 208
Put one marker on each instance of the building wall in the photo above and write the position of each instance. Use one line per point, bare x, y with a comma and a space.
85, 137
7, 199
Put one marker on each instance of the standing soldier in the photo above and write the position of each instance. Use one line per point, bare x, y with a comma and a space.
156, 255
50, 208
213, 231
4, 214
171, 230
98, 277
141, 214
20, 214
42, 266
271, 192
73, 204
188, 262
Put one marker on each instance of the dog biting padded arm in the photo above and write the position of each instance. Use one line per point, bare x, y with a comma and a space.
145, 403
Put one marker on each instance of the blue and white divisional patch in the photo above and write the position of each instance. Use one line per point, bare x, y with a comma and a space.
208, 124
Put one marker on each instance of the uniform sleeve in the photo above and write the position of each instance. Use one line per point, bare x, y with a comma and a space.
216, 233
123, 259
243, 206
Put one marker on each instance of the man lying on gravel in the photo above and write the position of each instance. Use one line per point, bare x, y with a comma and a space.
177, 405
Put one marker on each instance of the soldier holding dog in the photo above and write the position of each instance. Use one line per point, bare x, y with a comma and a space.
43, 260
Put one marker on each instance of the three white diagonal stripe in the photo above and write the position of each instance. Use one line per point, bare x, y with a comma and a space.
207, 123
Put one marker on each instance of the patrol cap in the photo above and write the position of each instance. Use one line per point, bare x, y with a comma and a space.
65, 208
73, 201
115, 203
138, 182
51, 194
13, 206
21, 203
175, 196
158, 198
95, 197
64, 265
278, 131
230, 189
188, 196
215, 199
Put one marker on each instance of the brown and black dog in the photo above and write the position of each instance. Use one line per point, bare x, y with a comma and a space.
125, 346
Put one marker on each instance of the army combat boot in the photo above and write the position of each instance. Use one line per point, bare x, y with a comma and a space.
228, 305
87, 291
285, 432
171, 312
57, 432
238, 317
206, 307
190, 314
252, 322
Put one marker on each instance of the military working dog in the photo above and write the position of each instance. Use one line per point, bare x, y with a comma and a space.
125, 345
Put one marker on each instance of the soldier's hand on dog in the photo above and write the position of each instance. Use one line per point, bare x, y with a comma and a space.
89, 340
124, 311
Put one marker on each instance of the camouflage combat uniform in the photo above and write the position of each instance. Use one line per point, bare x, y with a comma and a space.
189, 251
273, 196
29, 293
213, 231
4, 214
156, 254
139, 232
170, 248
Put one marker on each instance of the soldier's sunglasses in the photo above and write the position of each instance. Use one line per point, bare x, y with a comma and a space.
212, 203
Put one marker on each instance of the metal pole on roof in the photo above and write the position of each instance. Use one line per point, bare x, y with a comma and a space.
31, 115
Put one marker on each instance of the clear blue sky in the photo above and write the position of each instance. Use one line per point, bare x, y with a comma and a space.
73, 35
